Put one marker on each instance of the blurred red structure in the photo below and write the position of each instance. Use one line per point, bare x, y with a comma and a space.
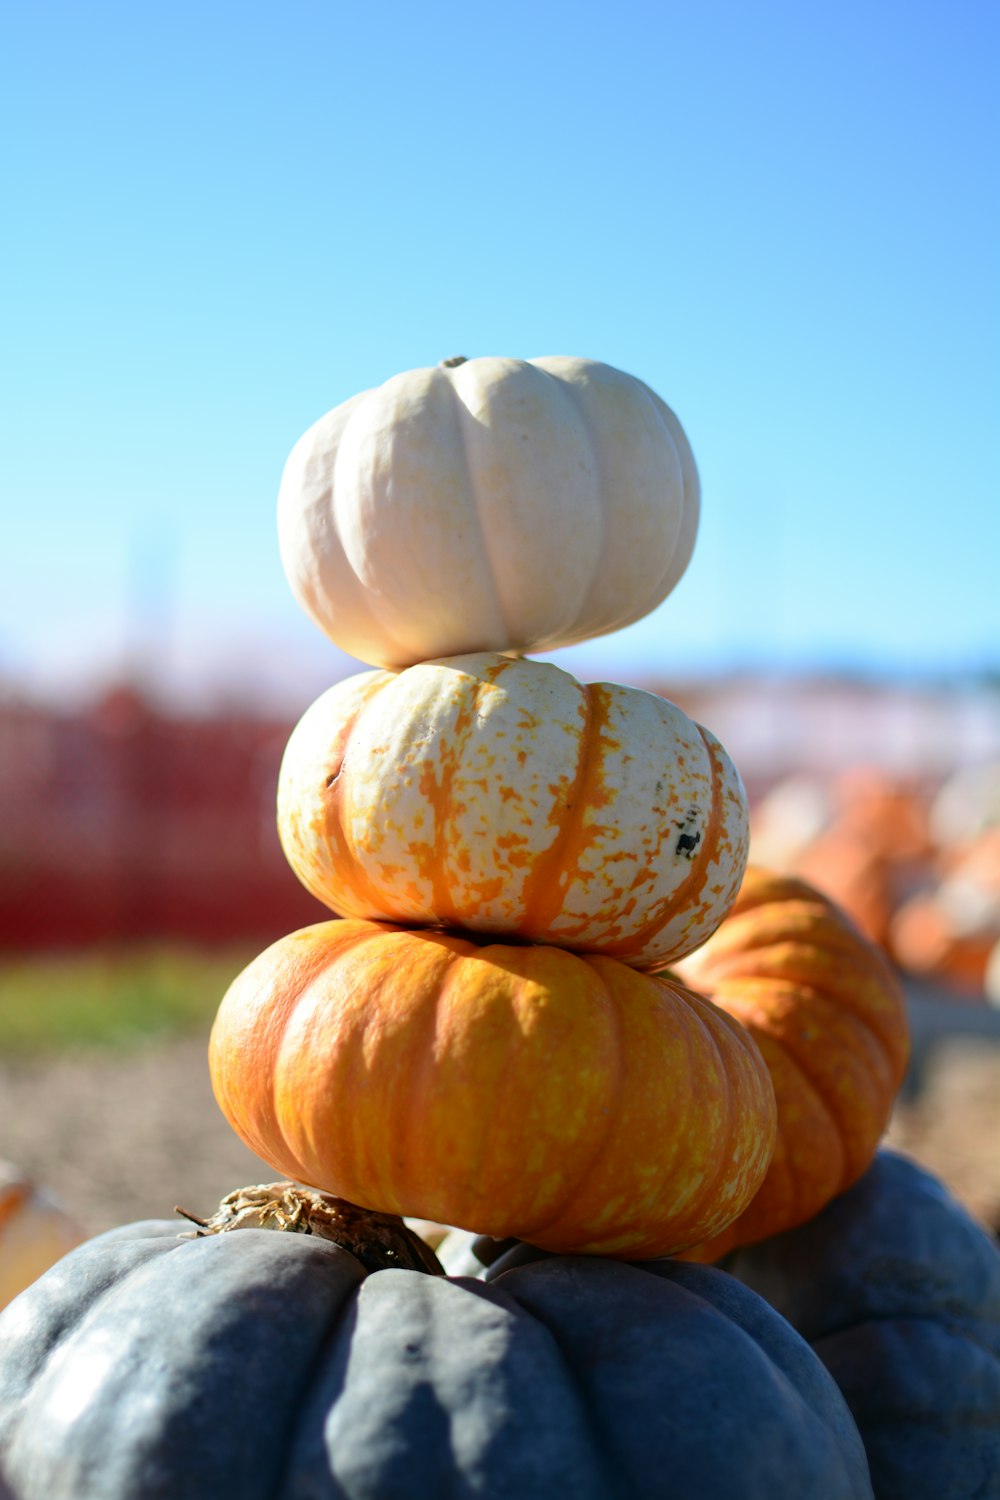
120, 824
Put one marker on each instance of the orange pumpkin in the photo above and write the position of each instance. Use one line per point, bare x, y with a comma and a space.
829, 1017
35, 1232
928, 942
516, 1090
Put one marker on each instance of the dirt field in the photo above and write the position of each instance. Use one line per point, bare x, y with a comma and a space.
127, 1135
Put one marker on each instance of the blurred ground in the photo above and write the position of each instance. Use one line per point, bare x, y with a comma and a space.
123, 1134
127, 1134
952, 1125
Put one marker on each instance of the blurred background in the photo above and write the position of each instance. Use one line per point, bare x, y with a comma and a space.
224, 221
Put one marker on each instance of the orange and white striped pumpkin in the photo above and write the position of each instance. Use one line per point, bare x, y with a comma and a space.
504, 796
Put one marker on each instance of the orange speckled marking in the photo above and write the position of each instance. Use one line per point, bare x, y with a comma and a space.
545, 888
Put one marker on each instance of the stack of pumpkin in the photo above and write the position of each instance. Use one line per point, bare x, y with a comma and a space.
491, 1036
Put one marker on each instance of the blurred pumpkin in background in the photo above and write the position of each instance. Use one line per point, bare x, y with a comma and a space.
35, 1231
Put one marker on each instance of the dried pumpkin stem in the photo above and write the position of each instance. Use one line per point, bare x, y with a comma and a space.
379, 1241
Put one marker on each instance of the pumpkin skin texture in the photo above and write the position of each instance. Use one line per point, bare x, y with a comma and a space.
571, 1101
496, 505
504, 796
829, 1017
897, 1289
35, 1231
270, 1366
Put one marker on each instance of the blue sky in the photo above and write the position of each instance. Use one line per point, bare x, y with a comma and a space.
225, 219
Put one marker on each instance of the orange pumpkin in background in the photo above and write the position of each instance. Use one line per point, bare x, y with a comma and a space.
940, 945
829, 1017
503, 796
946, 933
35, 1232
861, 837
516, 1090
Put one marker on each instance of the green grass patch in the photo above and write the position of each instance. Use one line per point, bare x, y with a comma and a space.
112, 997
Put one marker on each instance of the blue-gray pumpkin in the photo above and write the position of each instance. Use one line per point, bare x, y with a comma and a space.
897, 1289
272, 1365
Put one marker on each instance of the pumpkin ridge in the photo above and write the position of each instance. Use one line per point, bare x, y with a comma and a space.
464, 415
761, 887
334, 824
894, 1038
691, 492
672, 1146
397, 1136
783, 945
565, 1206
629, 611
709, 1016
849, 1171
567, 391
789, 1188
742, 936
845, 991
781, 1183
545, 889
649, 603
813, 996
370, 597
309, 453
268, 1136
447, 912
720, 1022
262, 1041
135, 1262
792, 926
404, 1117
439, 798
440, 1000
669, 1162
677, 999
715, 820
583, 1396
685, 896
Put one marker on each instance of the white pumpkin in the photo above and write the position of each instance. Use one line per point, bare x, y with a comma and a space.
502, 795
488, 505
35, 1232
